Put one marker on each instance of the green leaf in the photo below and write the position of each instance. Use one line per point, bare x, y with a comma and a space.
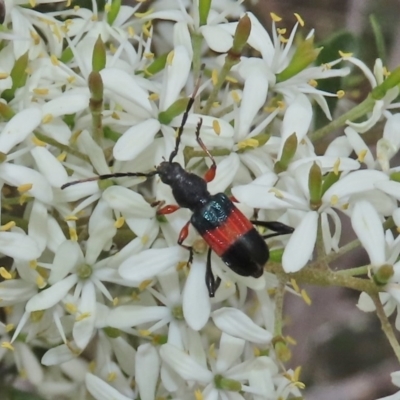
379, 38
18, 76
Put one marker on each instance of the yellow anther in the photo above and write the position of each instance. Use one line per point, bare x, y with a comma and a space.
283, 39
4, 75
144, 332
71, 79
143, 285
345, 206
295, 285
115, 301
119, 222
181, 265
32, 3
113, 49
281, 104
47, 118
68, 4
75, 135
71, 218
215, 104
170, 57
7, 226
231, 79
24, 187
40, 282
7, 345
41, 91
154, 96
305, 297
54, 60
144, 239
340, 93
198, 395
5, 274
23, 199
211, 351
112, 376
214, 76
281, 31
62, 156
146, 29
299, 19
278, 194
290, 340
131, 31
33, 264
235, 96
38, 142
9, 327
256, 352
313, 83
70, 308
275, 17
107, 7
398, 229
385, 72
216, 126
115, 115
83, 316
334, 200
345, 55
251, 142
76, 8
149, 56
336, 166
92, 366
361, 155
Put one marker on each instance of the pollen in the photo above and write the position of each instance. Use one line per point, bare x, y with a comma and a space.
7, 345
345, 55
275, 17
299, 19
47, 118
216, 127
131, 31
305, 297
340, 94
119, 222
170, 57
24, 188
361, 155
4, 75
9, 327
7, 226
5, 274
336, 166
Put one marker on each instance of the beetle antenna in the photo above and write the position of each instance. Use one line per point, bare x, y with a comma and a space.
108, 176
186, 115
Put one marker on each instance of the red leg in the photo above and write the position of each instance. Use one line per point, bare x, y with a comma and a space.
210, 174
182, 236
169, 209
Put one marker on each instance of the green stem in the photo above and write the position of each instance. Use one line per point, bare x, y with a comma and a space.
358, 111
279, 296
354, 271
62, 147
386, 326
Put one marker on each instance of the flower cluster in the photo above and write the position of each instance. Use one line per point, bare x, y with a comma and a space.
95, 267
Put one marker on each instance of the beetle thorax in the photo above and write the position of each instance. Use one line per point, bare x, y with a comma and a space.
190, 191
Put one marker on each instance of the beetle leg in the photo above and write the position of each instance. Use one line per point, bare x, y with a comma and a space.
168, 209
278, 227
182, 236
211, 283
210, 174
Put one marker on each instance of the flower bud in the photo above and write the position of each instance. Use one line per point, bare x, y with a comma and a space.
175, 109
99, 55
315, 186
18, 75
241, 36
113, 11
289, 150
227, 384
390, 82
204, 9
383, 275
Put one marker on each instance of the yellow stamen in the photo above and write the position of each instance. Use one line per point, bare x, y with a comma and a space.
345, 206
181, 265
54, 60
107, 7
299, 19
214, 77
47, 118
361, 155
41, 91
38, 142
73, 235
23, 199
70, 308
115, 301
5, 274
24, 187
345, 55
145, 239
385, 72
305, 297
7, 226
119, 222
144, 332
251, 142
112, 376
131, 31
336, 166
115, 115
154, 96
32, 3
340, 93
283, 39
215, 104
198, 395
334, 200
278, 194
144, 284
144, 14
33, 264
40, 282
216, 126
10, 327
170, 57
235, 96
281, 31
71, 79
71, 218
211, 351
231, 79
295, 285
290, 340
275, 17
82, 316
4, 75
7, 345
313, 83
149, 56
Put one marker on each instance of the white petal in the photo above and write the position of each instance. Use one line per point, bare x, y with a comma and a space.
101, 390
147, 371
125, 354
368, 227
128, 316
57, 355
237, 324
365, 303
359, 146
17, 175
19, 127
217, 39
30, 363
226, 172
51, 296
68, 103
123, 84
18, 245
149, 263
83, 328
391, 130
68, 256
364, 126
301, 243
49, 166
230, 349
184, 364
37, 226
128, 202
136, 139
195, 300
